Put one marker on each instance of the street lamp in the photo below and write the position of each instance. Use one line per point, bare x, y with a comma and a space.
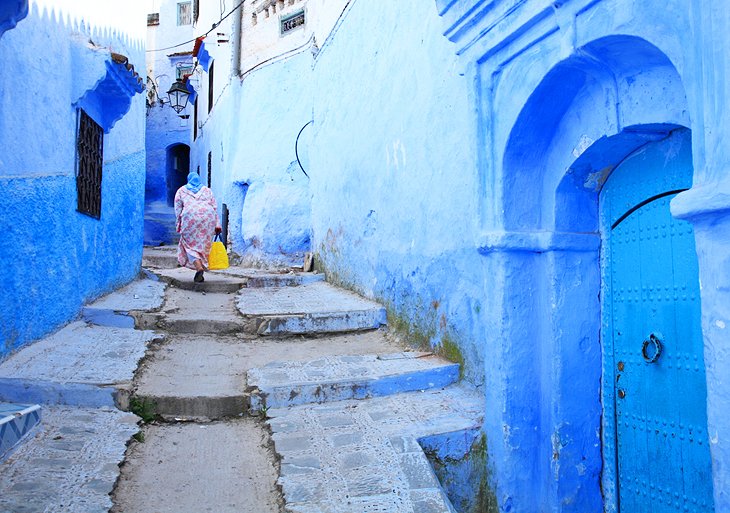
178, 96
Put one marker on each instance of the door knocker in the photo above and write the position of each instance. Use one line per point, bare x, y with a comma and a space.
651, 349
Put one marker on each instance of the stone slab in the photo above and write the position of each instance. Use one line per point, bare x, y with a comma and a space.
81, 364
113, 309
187, 311
17, 421
220, 467
193, 376
338, 377
160, 257
364, 455
69, 464
182, 278
313, 308
257, 278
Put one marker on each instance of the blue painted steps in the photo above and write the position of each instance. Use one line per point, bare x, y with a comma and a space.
16, 422
342, 377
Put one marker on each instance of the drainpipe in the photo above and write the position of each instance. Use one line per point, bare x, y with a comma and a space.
237, 28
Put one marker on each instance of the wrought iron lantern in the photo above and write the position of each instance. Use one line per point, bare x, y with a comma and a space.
178, 96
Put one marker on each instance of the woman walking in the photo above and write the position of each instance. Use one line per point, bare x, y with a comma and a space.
197, 221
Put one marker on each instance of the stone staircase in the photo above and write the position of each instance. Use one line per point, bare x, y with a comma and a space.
332, 413
346, 406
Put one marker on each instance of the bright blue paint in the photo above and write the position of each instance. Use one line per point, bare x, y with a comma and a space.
56, 259
653, 287
11, 12
460, 472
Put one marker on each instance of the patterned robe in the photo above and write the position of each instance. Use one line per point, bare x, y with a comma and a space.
197, 217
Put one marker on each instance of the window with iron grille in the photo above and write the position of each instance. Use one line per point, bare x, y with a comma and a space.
184, 14
90, 147
153, 19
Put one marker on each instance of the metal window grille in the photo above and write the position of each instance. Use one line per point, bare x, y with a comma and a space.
292, 22
184, 13
153, 19
90, 147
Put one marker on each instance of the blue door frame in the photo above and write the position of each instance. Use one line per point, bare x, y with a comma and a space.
653, 337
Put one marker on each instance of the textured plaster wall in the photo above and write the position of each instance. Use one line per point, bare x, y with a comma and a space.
55, 258
251, 134
393, 183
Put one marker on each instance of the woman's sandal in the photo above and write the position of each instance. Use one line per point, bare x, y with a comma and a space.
199, 277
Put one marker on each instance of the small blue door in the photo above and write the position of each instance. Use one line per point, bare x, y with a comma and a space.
651, 310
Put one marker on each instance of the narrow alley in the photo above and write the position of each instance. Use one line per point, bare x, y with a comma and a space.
358, 256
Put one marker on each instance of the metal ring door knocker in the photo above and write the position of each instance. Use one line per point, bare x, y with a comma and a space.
651, 349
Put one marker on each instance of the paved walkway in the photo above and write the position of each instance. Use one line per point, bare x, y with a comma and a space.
344, 406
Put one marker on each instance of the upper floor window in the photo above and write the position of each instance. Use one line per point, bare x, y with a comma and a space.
153, 19
90, 148
184, 13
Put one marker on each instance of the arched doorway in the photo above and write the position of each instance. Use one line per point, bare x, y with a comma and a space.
177, 169
589, 113
652, 333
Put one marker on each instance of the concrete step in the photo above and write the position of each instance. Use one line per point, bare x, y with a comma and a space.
70, 464
80, 365
259, 278
365, 455
162, 257
114, 309
182, 278
233, 278
337, 378
308, 309
17, 421
204, 376
187, 311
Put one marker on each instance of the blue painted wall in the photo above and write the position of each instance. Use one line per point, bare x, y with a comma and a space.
251, 134
56, 259
456, 157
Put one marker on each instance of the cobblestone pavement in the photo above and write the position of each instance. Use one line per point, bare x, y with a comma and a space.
364, 456
70, 464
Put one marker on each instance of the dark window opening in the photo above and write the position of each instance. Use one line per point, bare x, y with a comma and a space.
210, 167
210, 87
90, 147
196, 10
153, 19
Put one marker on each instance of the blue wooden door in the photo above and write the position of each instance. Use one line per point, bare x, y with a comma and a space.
651, 320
